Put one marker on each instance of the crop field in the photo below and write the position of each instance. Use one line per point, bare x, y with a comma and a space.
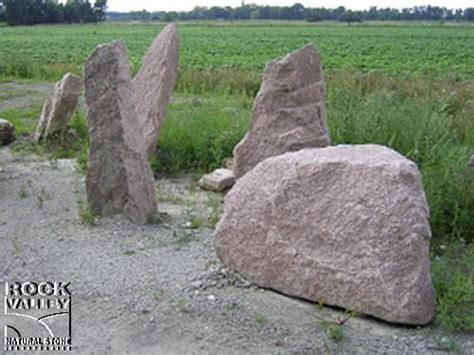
409, 87
44, 51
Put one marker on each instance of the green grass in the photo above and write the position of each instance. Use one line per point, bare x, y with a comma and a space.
87, 216
23, 191
46, 52
454, 282
260, 318
25, 121
335, 333
200, 132
71, 143
425, 119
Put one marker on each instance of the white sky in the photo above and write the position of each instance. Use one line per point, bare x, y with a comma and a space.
186, 5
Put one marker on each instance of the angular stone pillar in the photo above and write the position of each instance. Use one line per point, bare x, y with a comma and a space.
119, 178
154, 84
289, 112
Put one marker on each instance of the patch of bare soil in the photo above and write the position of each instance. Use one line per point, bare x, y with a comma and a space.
14, 95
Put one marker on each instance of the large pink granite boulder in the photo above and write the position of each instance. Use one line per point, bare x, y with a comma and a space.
344, 225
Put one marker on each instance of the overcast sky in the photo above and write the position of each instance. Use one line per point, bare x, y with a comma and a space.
186, 5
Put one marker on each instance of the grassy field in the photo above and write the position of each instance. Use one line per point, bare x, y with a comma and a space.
408, 87
44, 52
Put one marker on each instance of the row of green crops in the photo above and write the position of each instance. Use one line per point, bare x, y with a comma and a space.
44, 52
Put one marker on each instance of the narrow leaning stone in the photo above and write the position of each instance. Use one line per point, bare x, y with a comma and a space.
154, 83
58, 110
345, 226
119, 178
289, 112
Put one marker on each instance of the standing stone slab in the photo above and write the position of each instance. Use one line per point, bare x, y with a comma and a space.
345, 226
154, 83
58, 110
289, 112
119, 178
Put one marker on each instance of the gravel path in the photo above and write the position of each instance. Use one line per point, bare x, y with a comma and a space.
159, 288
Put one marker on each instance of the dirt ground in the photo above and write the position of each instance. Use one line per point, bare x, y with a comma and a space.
15, 95
159, 288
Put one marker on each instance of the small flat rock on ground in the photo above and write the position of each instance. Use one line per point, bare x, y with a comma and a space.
218, 180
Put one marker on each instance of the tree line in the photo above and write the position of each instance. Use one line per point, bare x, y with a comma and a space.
31, 12
26, 12
299, 12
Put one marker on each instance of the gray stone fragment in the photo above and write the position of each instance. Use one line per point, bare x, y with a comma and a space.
7, 132
218, 180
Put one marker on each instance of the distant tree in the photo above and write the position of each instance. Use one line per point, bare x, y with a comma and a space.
87, 13
469, 14
72, 11
458, 14
54, 12
80, 11
349, 17
314, 16
27, 12
169, 17
338, 12
100, 6
218, 13
255, 15
18, 12
2, 12
297, 12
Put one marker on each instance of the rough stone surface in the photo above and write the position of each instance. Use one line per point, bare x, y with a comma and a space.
228, 163
289, 112
58, 109
218, 180
154, 83
7, 132
119, 178
345, 226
